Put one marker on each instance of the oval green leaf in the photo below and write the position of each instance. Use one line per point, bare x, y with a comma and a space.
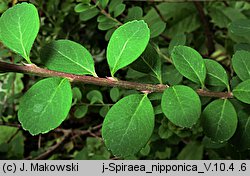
68, 56
192, 151
45, 105
149, 62
178, 39
219, 120
95, 96
82, 7
241, 138
189, 63
216, 74
81, 111
126, 44
115, 94
128, 125
107, 23
19, 26
88, 14
242, 91
240, 27
241, 64
134, 13
181, 105
119, 10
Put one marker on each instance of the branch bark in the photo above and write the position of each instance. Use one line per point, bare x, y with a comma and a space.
34, 70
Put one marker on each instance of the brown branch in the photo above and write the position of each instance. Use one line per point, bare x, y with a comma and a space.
104, 12
159, 13
53, 148
208, 33
66, 135
32, 69
214, 94
10, 124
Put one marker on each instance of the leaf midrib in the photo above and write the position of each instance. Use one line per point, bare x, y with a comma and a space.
72, 60
52, 97
123, 48
131, 119
154, 71
220, 118
218, 78
245, 64
197, 75
178, 100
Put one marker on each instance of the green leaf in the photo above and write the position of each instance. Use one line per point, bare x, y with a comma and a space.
181, 105
218, 17
95, 96
113, 4
242, 46
114, 94
45, 105
149, 62
109, 33
88, 14
208, 143
192, 151
19, 26
94, 149
68, 56
107, 23
126, 44
104, 110
128, 125
81, 111
82, 7
186, 22
157, 28
242, 91
240, 27
189, 63
155, 23
77, 94
165, 154
6, 133
178, 39
171, 76
104, 3
101, 18
145, 151
3, 6
16, 146
134, 13
119, 10
164, 132
241, 138
216, 74
241, 64
219, 120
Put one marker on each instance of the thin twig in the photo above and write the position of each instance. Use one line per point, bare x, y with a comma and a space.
10, 124
32, 69
205, 22
104, 12
39, 141
53, 148
159, 13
